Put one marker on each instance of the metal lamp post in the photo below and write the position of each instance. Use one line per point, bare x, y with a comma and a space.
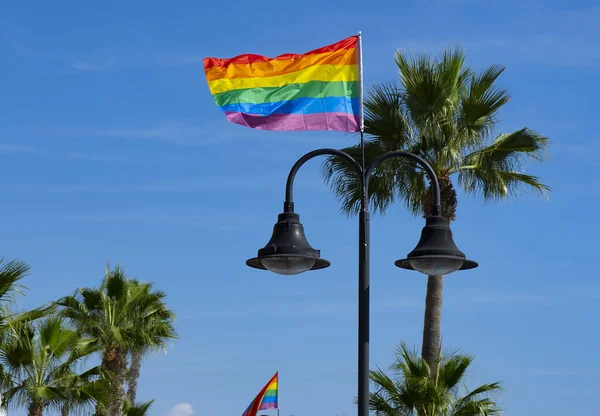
288, 252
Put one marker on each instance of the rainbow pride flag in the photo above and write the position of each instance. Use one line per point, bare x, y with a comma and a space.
317, 90
266, 399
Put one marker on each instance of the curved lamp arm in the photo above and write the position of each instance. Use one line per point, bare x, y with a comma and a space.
288, 205
420, 161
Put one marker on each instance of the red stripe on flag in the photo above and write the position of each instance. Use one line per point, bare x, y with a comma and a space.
347, 43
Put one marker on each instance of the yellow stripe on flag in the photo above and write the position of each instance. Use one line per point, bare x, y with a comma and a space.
325, 73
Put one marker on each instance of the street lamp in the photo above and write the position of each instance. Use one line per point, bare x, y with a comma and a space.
288, 251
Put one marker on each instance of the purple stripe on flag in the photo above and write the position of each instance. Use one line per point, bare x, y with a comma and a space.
266, 406
294, 122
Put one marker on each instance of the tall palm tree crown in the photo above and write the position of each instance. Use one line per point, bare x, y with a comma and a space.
445, 112
122, 316
413, 391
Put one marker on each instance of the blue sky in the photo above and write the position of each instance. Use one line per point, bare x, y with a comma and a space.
112, 149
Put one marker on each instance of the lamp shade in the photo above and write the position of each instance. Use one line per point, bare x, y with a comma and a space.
288, 252
436, 253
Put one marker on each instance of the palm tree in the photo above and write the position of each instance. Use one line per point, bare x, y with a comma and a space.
415, 391
140, 409
444, 112
40, 363
11, 273
155, 329
114, 316
106, 316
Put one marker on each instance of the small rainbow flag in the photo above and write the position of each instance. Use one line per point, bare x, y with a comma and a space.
317, 90
266, 399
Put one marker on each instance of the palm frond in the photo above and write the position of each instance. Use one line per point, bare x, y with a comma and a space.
478, 108
496, 171
97, 391
11, 273
17, 352
116, 284
509, 149
392, 180
15, 396
12, 320
91, 299
429, 85
409, 364
384, 118
483, 407
139, 409
483, 390
386, 400
343, 179
453, 370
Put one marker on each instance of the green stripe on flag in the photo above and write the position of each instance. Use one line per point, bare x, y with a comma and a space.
312, 89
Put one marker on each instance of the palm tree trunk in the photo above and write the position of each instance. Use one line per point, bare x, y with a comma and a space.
64, 411
435, 284
34, 410
433, 321
134, 375
114, 360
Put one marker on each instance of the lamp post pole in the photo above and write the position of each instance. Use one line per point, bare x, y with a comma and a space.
364, 237
288, 252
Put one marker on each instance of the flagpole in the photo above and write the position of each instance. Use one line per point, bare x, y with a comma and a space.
361, 99
360, 81
363, 262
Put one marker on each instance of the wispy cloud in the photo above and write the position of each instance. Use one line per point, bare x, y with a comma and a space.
506, 298
182, 409
559, 372
195, 221
182, 59
16, 148
555, 37
546, 298
94, 157
483, 297
288, 309
18, 40
559, 38
212, 131
221, 224
175, 132
183, 185
14, 37
85, 66
71, 155
200, 184
403, 302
